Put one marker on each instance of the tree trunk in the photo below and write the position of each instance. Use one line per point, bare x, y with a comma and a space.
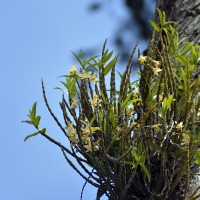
187, 15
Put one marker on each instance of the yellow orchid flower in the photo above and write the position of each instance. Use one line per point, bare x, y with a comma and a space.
95, 101
85, 75
74, 102
73, 70
155, 63
142, 59
72, 134
156, 70
94, 78
179, 126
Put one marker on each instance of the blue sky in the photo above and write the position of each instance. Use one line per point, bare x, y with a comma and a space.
35, 41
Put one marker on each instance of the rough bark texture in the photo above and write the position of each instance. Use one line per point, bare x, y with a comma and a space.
187, 14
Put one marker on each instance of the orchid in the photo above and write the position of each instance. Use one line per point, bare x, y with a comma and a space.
85, 75
155, 63
95, 101
74, 102
94, 78
156, 70
73, 70
179, 126
142, 59
72, 134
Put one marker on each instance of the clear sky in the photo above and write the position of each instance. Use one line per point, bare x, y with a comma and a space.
35, 41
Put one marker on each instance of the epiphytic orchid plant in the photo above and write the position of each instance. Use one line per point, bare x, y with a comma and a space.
140, 139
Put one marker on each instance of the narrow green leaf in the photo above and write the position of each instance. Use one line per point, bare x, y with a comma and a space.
28, 122
160, 17
169, 38
135, 155
181, 40
103, 97
65, 84
64, 91
108, 57
133, 101
32, 113
92, 120
124, 103
130, 163
155, 26
36, 121
72, 84
181, 60
121, 76
78, 59
197, 155
31, 135
164, 18
195, 55
109, 66
166, 105
169, 22
187, 48
146, 171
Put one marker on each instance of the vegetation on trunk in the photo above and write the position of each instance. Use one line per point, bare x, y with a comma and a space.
138, 140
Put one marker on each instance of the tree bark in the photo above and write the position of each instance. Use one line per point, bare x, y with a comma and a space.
187, 15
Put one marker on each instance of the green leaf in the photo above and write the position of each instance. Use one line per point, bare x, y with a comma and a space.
166, 105
169, 22
155, 26
42, 130
32, 113
146, 171
78, 59
181, 60
109, 66
107, 57
65, 84
121, 76
133, 152
92, 120
181, 40
64, 91
195, 54
169, 38
28, 122
133, 101
187, 48
143, 157
161, 17
31, 135
36, 121
130, 163
164, 18
103, 97
72, 84
141, 150
197, 155
124, 104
